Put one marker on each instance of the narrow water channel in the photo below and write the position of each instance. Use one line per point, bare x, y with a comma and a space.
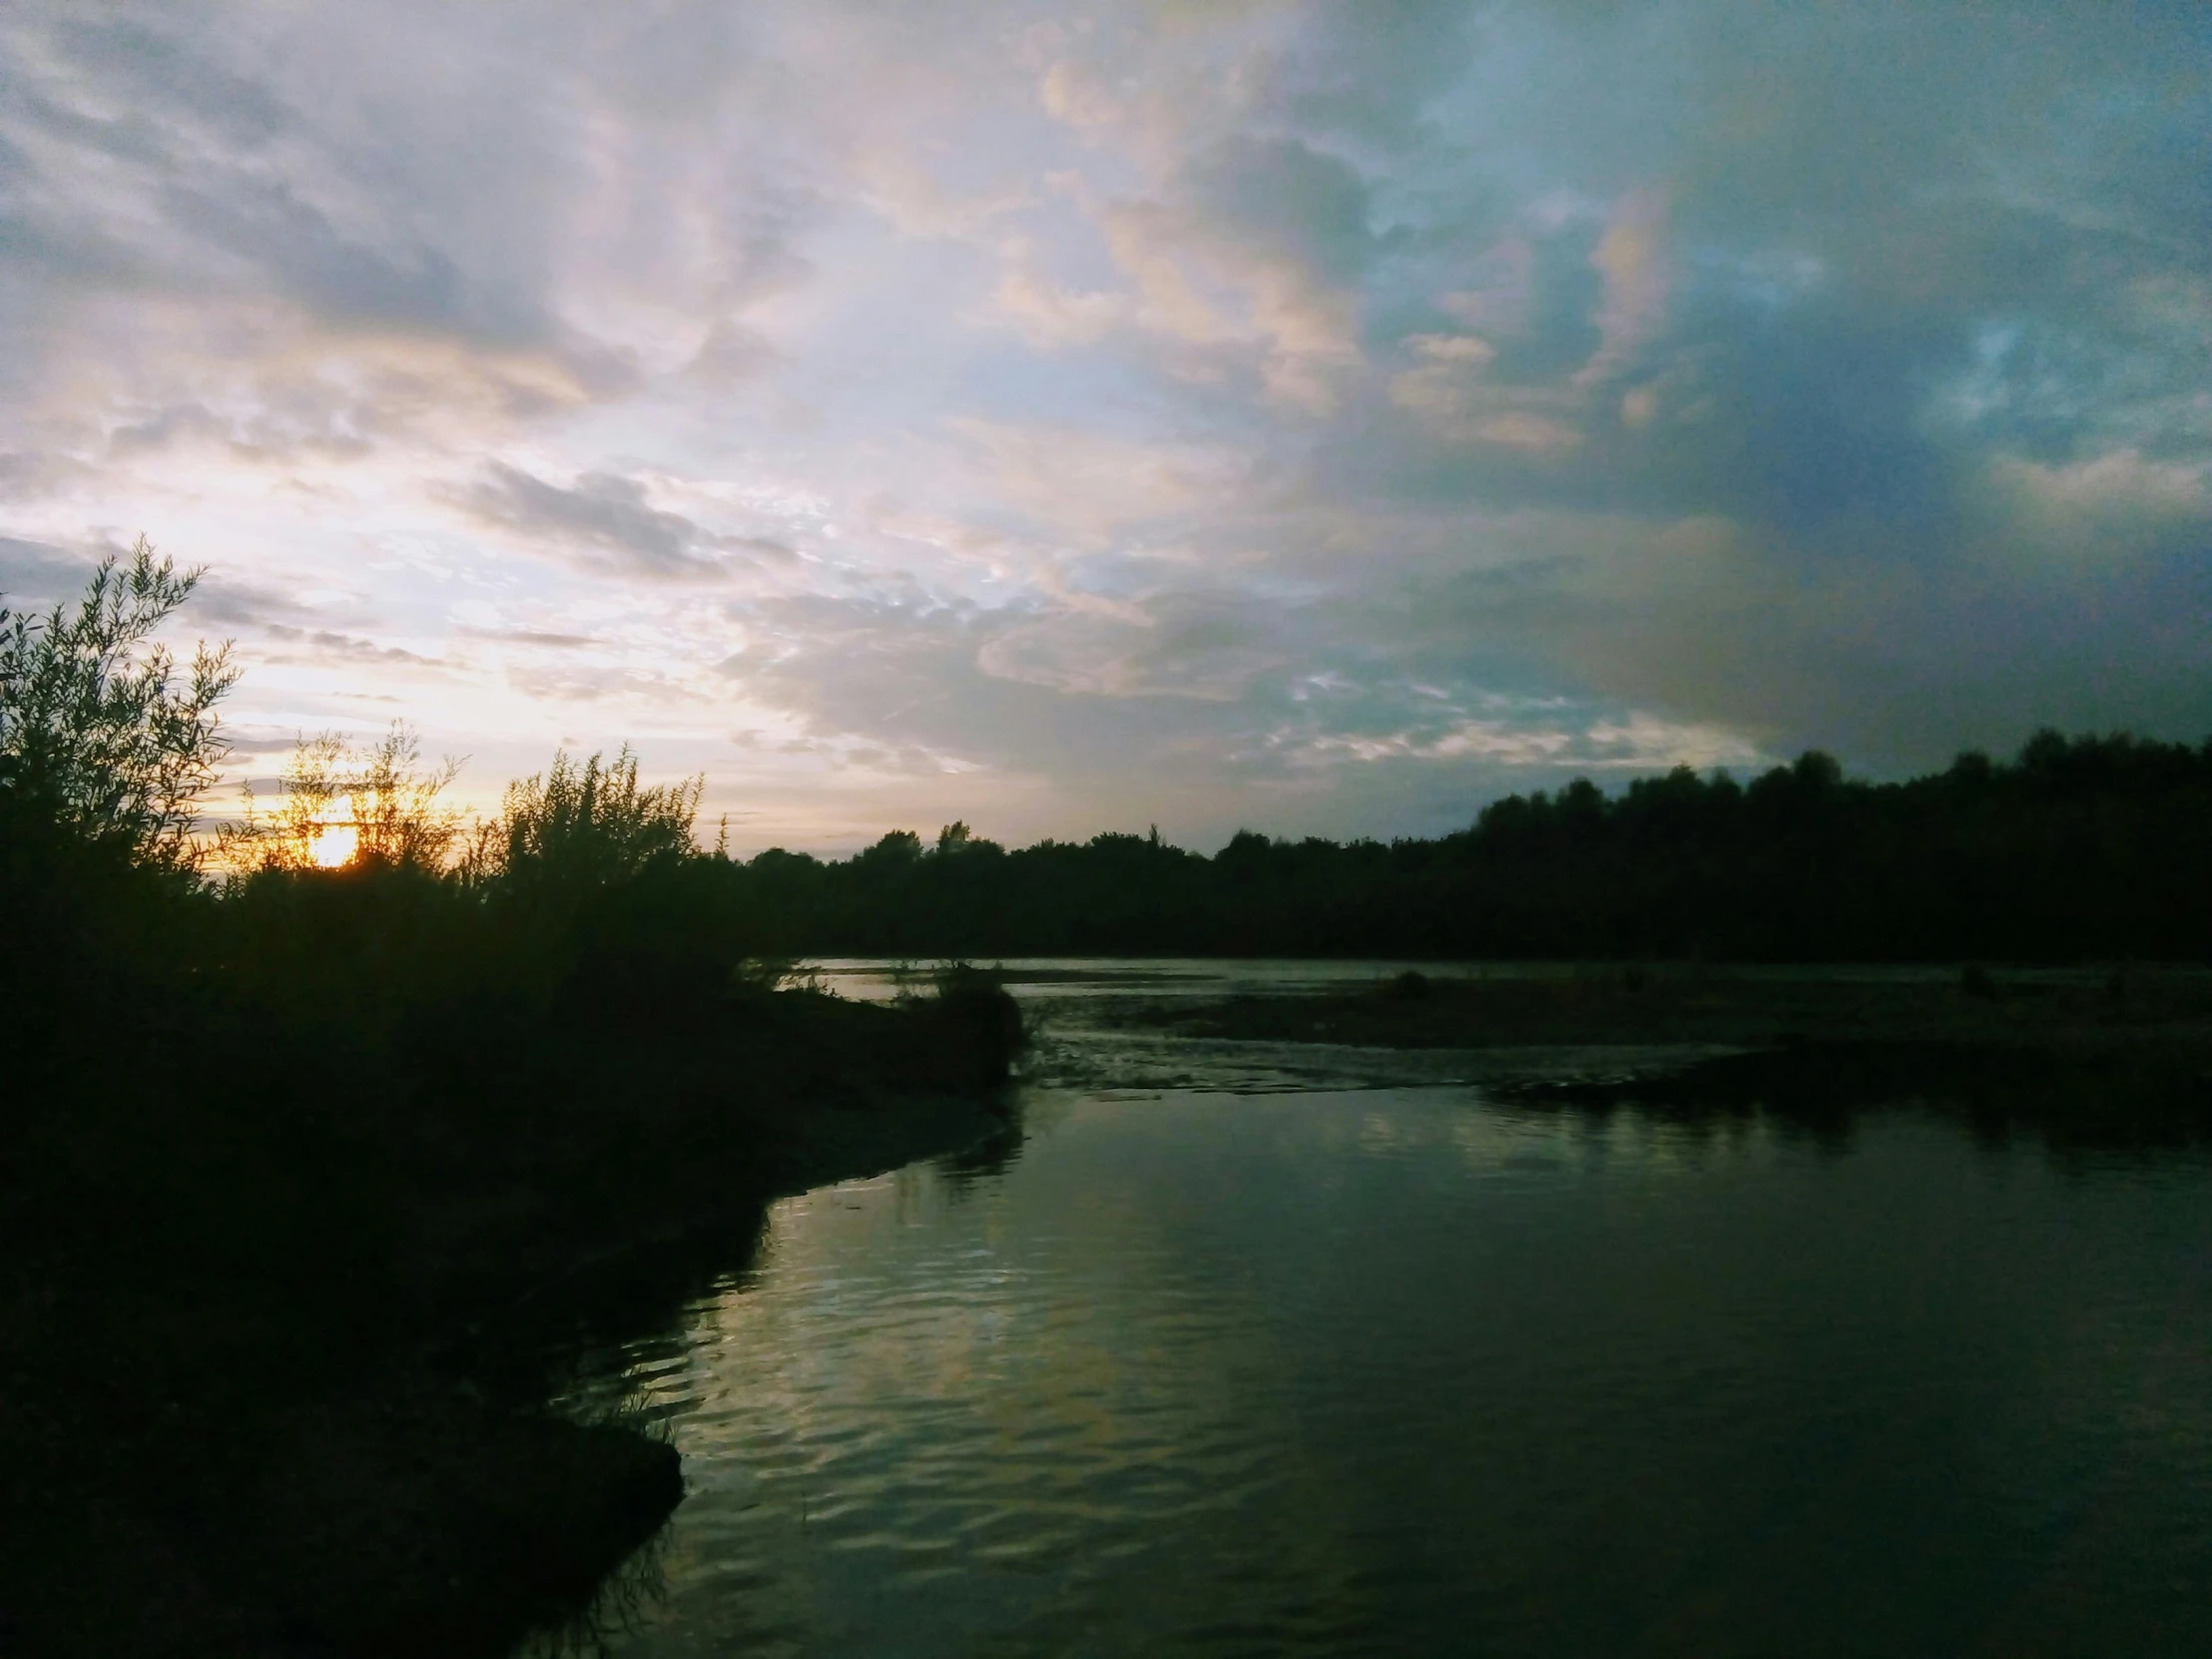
1236, 1355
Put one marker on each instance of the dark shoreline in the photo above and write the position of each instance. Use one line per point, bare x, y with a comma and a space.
485, 1522
329, 1435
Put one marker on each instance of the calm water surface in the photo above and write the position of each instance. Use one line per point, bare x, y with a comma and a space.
1330, 1364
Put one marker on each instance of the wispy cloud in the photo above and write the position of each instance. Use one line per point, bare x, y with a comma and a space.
605, 522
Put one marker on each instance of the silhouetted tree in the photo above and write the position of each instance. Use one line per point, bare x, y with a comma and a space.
585, 825
99, 734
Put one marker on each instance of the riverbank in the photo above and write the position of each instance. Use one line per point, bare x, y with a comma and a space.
275, 1377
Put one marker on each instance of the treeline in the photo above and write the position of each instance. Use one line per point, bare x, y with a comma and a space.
2080, 848
358, 922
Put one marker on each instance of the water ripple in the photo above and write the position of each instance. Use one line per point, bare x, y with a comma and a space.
1387, 1371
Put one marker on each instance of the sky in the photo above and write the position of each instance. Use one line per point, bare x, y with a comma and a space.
1323, 418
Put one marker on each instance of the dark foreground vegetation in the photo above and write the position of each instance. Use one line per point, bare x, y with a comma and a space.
298, 1167
2082, 849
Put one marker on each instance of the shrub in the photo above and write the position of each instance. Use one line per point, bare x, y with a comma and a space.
99, 734
581, 826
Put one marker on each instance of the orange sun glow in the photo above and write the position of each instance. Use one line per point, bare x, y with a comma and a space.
336, 837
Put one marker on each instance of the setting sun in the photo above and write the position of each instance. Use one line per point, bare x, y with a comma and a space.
336, 836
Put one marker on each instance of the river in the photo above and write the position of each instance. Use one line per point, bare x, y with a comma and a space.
1312, 1352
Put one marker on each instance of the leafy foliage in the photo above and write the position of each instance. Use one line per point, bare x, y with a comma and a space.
100, 734
585, 825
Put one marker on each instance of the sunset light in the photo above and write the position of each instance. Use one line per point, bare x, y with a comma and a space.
336, 837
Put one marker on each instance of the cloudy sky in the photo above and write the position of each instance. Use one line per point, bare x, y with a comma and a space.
1319, 417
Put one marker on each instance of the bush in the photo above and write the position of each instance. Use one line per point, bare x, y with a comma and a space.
97, 733
572, 827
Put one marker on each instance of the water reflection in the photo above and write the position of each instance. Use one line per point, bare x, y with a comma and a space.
1429, 1369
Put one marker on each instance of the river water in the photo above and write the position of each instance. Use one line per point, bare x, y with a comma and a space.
1313, 1351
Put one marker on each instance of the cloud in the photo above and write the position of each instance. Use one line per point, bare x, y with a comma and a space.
1075, 95
228, 600
350, 283
168, 426
35, 574
1247, 256
1207, 647
207, 164
606, 523
26, 474
1310, 416
1631, 256
264, 743
321, 645
2104, 509
1090, 484
635, 687
534, 639
1049, 314
1448, 365
733, 352
1526, 739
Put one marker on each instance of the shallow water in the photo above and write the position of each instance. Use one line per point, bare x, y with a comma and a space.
1398, 1369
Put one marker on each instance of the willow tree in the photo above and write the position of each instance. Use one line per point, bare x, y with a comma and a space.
103, 735
585, 825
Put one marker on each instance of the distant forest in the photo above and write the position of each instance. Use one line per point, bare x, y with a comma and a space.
2082, 849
